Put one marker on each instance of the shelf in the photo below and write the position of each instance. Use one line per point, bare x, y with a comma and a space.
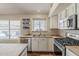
25, 26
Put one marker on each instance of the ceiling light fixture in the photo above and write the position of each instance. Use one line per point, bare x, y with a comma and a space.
38, 11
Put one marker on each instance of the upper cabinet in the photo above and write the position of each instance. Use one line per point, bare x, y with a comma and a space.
53, 8
54, 22
66, 18
60, 22
63, 14
62, 19
78, 16
71, 9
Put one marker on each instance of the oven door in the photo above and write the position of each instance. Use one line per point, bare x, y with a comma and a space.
59, 48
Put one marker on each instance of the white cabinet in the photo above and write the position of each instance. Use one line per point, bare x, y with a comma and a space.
65, 26
78, 15
60, 24
50, 22
71, 9
59, 16
63, 16
54, 22
39, 44
69, 53
35, 44
51, 45
43, 44
29, 44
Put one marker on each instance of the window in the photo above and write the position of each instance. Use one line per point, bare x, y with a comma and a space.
14, 29
9, 29
39, 25
4, 29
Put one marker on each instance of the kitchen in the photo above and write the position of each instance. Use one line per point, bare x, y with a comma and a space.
39, 29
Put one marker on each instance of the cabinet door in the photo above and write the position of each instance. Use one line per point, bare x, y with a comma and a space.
35, 44
69, 53
78, 15
61, 24
65, 24
71, 9
43, 44
51, 22
54, 22
50, 44
59, 18
63, 14
29, 44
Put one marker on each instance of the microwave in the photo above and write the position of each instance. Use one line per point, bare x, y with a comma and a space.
72, 22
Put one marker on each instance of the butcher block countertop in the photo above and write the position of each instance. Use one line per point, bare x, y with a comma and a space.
25, 36
53, 36
57, 36
12, 49
74, 49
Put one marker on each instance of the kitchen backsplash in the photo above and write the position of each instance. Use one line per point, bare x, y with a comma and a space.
54, 32
63, 32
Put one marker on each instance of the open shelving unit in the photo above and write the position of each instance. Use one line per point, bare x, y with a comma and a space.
25, 26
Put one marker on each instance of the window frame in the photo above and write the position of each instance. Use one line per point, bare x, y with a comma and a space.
9, 29
39, 25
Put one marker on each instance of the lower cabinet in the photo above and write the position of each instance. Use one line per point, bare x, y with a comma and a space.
42, 44
69, 53
35, 46
51, 45
29, 48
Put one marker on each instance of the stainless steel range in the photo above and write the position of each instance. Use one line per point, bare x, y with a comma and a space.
70, 40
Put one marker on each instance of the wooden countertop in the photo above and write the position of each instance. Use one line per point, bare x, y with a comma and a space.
57, 36
26, 36
43, 36
54, 36
11, 49
74, 49
35, 36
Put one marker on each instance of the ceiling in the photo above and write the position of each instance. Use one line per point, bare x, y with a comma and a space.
60, 8
24, 8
